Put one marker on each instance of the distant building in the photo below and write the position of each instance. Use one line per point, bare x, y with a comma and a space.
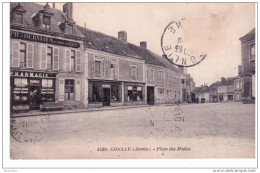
202, 94
226, 90
247, 70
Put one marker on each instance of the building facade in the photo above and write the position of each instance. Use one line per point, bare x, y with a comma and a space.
248, 66
46, 58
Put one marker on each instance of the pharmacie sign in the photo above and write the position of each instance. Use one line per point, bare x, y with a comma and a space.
32, 74
43, 39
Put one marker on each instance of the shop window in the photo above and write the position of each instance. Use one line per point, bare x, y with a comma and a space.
160, 76
115, 92
49, 58
230, 97
22, 55
98, 68
47, 90
252, 52
20, 90
69, 90
135, 93
133, 72
72, 63
96, 92
46, 22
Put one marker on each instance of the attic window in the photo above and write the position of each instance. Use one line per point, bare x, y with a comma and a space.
17, 14
46, 22
70, 29
18, 18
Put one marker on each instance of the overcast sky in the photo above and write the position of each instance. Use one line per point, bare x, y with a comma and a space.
214, 27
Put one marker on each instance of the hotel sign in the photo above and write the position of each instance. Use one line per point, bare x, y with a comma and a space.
32, 74
43, 39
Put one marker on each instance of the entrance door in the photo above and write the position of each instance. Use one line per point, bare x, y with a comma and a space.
106, 96
35, 97
150, 95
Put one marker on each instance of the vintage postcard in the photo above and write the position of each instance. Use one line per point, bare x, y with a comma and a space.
132, 80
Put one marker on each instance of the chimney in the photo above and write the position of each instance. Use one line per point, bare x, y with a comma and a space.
53, 5
143, 44
122, 35
201, 86
239, 69
223, 80
67, 9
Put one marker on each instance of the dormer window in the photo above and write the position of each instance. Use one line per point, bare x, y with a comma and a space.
46, 22
70, 29
17, 14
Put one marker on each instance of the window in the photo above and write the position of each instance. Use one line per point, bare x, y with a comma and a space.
160, 90
133, 73
170, 79
151, 75
49, 58
46, 22
115, 92
167, 78
175, 97
135, 93
72, 63
22, 55
114, 70
47, 90
252, 52
97, 88
160, 76
98, 68
20, 90
69, 90
70, 29
18, 18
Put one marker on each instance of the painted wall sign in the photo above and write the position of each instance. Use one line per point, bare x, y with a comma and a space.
32, 74
43, 39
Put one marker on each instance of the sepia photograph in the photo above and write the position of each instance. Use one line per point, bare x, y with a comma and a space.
132, 80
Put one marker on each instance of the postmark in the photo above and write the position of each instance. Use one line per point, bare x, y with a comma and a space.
29, 129
164, 121
175, 48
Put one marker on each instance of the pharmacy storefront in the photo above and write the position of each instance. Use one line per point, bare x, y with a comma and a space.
30, 89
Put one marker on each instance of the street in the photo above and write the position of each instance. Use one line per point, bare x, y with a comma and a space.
211, 130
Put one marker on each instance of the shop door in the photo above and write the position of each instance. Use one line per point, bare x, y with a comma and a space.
150, 95
35, 97
106, 96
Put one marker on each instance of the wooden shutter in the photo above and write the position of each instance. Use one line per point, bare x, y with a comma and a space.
61, 90
44, 57
78, 90
15, 54
130, 70
137, 74
78, 61
93, 68
102, 69
68, 59
30, 57
55, 58
116, 71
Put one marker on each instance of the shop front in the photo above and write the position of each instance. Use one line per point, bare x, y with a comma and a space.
30, 89
104, 93
134, 94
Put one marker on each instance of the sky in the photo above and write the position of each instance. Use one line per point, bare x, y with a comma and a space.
214, 28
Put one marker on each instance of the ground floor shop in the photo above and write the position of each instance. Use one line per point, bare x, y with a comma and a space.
115, 93
226, 97
31, 90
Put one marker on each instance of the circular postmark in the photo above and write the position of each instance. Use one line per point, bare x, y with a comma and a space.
29, 129
174, 47
164, 121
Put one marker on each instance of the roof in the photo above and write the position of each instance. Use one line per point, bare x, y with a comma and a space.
32, 9
202, 89
249, 35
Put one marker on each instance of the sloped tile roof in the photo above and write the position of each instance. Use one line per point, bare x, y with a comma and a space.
32, 9
248, 35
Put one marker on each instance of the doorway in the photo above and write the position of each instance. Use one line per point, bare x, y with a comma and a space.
106, 96
35, 97
150, 95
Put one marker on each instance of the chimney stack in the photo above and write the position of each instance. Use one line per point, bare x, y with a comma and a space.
67, 9
223, 80
53, 5
239, 69
122, 35
143, 44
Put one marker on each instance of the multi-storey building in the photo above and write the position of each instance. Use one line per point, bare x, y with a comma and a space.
47, 63
56, 63
202, 94
226, 90
247, 72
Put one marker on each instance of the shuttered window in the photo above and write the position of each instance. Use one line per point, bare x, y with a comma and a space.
61, 90
78, 61
78, 90
56, 58
67, 60
30, 56
44, 57
15, 54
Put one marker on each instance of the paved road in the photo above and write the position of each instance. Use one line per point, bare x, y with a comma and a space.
219, 130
